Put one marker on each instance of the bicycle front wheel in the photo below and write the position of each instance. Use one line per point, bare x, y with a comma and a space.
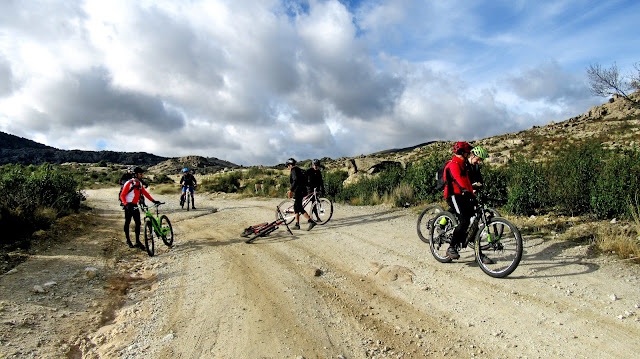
322, 211
286, 207
148, 237
423, 221
498, 247
166, 230
440, 234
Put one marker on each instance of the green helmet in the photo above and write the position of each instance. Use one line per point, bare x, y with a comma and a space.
480, 152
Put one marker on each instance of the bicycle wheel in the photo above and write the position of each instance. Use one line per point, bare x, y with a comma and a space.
321, 211
187, 199
441, 232
423, 221
148, 237
286, 207
182, 201
504, 250
167, 230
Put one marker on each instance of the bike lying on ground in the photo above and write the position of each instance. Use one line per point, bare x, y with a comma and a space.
156, 226
319, 208
263, 229
489, 236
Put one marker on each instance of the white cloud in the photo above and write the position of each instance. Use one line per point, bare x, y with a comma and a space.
258, 82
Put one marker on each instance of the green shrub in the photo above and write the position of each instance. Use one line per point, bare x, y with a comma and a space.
226, 182
572, 175
333, 183
527, 187
31, 198
616, 186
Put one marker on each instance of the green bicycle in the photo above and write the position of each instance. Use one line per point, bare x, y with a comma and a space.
158, 226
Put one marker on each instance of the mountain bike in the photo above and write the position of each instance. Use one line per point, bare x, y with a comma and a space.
184, 196
158, 226
428, 213
319, 208
490, 236
263, 229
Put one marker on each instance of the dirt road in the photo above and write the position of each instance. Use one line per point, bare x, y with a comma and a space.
361, 286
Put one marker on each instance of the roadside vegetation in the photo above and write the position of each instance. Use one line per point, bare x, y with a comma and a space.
577, 180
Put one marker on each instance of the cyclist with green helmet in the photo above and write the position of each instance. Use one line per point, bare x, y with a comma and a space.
478, 154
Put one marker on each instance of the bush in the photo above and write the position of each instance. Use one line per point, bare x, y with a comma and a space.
32, 198
527, 187
333, 183
226, 182
616, 186
572, 175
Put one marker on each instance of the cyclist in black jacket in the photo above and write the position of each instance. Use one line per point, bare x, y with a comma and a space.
314, 178
298, 189
188, 181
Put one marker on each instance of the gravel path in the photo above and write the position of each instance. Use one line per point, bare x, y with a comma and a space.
361, 286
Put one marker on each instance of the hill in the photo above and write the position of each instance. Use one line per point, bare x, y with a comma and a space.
14, 149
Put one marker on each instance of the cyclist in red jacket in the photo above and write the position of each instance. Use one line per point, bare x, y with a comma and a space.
459, 194
130, 196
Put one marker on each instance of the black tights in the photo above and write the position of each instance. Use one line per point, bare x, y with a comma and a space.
131, 211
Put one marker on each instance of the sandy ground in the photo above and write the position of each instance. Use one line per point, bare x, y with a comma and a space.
361, 286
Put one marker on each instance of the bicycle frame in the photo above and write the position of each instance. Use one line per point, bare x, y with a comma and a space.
263, 229
155, 220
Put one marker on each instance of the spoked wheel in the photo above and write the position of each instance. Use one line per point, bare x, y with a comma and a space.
167, 230
148, 237
423, 221
498, 248
321, 211
286, 207
186, 199
441, 232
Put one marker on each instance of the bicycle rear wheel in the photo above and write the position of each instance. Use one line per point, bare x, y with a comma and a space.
148, 237
286, 207
321, 211
501, 242
423, 221
440, 234
167, 230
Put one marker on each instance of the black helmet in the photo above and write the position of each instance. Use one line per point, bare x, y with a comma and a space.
315, 162
138, 170
291, 162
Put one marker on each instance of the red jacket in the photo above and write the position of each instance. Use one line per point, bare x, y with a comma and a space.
459, 174
129, 195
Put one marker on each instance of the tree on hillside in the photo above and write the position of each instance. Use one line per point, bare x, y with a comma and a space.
606, 82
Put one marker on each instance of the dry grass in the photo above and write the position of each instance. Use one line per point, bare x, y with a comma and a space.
622, 240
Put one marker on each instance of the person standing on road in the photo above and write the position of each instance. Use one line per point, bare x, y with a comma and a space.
298, 189
130, 196
188, 181
315, 182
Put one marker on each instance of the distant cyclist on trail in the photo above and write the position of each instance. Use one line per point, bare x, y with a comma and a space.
130, 196
460, 196
188, 181
298, 190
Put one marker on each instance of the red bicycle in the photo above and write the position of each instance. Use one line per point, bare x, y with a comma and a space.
264, 229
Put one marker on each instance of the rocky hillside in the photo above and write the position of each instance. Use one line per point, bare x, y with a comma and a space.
196, 164
14, 149
616, 124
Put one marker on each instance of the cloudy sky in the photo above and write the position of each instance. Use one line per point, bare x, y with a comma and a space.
256, 82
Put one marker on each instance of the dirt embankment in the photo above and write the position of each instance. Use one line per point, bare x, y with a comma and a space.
361, 286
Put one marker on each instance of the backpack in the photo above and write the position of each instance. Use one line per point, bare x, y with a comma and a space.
440, 182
